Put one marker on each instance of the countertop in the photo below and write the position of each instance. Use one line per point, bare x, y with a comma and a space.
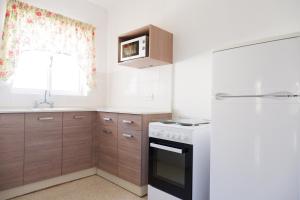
137, 111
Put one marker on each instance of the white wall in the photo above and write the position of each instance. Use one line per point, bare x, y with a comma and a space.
83, 11
198, 26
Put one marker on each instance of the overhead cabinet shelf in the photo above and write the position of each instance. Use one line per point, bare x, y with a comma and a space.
158, 48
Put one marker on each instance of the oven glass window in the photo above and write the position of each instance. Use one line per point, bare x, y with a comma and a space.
169, 167
131, 49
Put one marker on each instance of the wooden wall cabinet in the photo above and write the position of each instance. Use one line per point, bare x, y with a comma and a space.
11, 150
77, 142
160, 48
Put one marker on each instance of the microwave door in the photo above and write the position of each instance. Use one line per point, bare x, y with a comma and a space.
132, 49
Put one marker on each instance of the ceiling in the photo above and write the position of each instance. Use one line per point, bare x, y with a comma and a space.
108, 4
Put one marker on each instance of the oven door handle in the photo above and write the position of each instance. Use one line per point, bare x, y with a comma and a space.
166, 148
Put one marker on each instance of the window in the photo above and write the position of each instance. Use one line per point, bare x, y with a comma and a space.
58, 73
41, 50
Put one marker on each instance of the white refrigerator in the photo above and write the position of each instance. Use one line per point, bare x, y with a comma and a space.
256, 121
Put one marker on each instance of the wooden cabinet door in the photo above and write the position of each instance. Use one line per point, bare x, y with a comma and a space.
43, 146
77, 141
129, 155
11, 150
107, 149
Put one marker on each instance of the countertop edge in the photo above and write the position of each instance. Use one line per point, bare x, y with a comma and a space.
121, 111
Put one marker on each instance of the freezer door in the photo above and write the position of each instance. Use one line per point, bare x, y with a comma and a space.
258, 69
255, 150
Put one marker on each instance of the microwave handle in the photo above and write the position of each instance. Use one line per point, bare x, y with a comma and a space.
166, 148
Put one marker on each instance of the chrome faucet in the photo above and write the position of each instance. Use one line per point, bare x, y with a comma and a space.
45, 101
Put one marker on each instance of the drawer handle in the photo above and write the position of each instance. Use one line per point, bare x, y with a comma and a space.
127, 135
107, 119
79, 116
45, 118
107, 132
127, 122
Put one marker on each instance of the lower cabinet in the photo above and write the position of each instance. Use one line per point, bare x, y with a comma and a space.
122, 141
77, 142
11, 150
130, 156
39, 146
43, 146
107, 149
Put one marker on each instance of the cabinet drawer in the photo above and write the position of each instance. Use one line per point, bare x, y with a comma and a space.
107, 119
12, 120
77, 119
129, 122
45, 121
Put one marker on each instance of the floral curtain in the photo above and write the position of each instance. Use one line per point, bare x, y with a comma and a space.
30, 28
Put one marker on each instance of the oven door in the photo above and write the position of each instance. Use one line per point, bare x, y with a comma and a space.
171, 167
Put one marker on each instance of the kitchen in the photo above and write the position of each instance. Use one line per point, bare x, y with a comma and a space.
181, 88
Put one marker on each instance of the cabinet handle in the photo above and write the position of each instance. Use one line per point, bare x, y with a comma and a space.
127, 135
79, 116
127, 122
45, 118
107, 119
107, 132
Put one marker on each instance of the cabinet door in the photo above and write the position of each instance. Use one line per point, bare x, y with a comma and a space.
107, 149
11, 150
129, 155
43, 146
77, 141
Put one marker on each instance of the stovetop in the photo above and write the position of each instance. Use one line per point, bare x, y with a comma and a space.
186, 122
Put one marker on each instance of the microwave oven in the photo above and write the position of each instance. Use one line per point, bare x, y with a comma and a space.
134, 48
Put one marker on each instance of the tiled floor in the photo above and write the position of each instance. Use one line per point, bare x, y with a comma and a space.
91, 188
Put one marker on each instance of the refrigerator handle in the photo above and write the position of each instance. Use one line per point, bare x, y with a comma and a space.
275, 95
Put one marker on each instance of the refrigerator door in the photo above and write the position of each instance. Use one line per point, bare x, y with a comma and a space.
255, 141
255, 151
